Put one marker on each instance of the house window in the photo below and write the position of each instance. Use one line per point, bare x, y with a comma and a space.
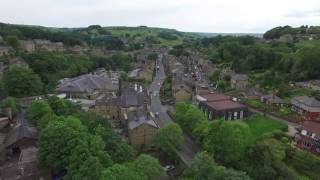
235, 115
241, 114
229, 115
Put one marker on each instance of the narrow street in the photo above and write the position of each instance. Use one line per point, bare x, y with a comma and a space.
188, 148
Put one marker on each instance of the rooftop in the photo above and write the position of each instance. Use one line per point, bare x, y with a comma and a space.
138, 117
308, 101
215, 97
224, 105
273, 99
20, 131
86, 83
311, 126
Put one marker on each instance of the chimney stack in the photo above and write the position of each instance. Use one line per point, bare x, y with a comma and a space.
135, 87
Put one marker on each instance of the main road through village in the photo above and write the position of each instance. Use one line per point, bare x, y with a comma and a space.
188, 148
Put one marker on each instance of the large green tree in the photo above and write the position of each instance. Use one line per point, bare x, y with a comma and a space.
187, 116
228, 141
22, 81
10, 102
204, 168
169, 138
144, 167
66, 143
37, 110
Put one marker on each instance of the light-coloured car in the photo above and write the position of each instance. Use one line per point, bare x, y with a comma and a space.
168, 167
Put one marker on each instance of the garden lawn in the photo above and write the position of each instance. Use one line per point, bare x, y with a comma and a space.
260, 125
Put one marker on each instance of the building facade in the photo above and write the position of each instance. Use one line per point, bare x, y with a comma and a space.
141, 128
308, 137
309, 107
217, 105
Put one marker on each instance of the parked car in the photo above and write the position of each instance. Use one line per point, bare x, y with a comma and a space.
168, 167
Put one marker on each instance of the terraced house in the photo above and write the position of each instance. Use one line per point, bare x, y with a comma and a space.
308, 137
142, 128
309, 107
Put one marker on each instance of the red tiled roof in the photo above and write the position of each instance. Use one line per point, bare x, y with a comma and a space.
311, 126
224, 105
215, 97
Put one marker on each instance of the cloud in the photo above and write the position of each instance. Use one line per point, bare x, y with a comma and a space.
304, 14
186, 15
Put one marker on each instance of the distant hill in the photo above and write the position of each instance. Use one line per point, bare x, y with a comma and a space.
203, 34
293, 33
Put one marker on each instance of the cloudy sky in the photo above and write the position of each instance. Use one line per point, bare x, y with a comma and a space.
253, 16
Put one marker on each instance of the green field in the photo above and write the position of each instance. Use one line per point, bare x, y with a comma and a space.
139, 34
260, 125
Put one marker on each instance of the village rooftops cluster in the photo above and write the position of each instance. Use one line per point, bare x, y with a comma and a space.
87, 86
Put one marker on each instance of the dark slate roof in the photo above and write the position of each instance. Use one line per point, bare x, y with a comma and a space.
86, 83
20, 131
129, 97
224, 105
308, 101
215, 97
107, 99
273, 99
138, 117
134, 97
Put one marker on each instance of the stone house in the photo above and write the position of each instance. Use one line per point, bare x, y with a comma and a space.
131, 97
309, 107
108, 105
239, 81
88, 86
272, 99
181, 90
47, 45
28, 45
217, 105
308, 137
141, 128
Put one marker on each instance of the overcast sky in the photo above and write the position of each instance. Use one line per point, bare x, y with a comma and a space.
255, 16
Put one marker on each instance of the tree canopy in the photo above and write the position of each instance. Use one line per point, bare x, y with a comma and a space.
21, 82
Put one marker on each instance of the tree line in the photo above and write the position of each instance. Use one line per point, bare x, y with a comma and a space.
84, 145
231, 146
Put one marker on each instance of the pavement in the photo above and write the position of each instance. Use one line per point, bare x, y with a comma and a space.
188, 148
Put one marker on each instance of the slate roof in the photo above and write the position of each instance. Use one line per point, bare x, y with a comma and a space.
86, 83
138, 117
215, 97
273, 99
308, 101
224, 105
131, 97
18, 132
